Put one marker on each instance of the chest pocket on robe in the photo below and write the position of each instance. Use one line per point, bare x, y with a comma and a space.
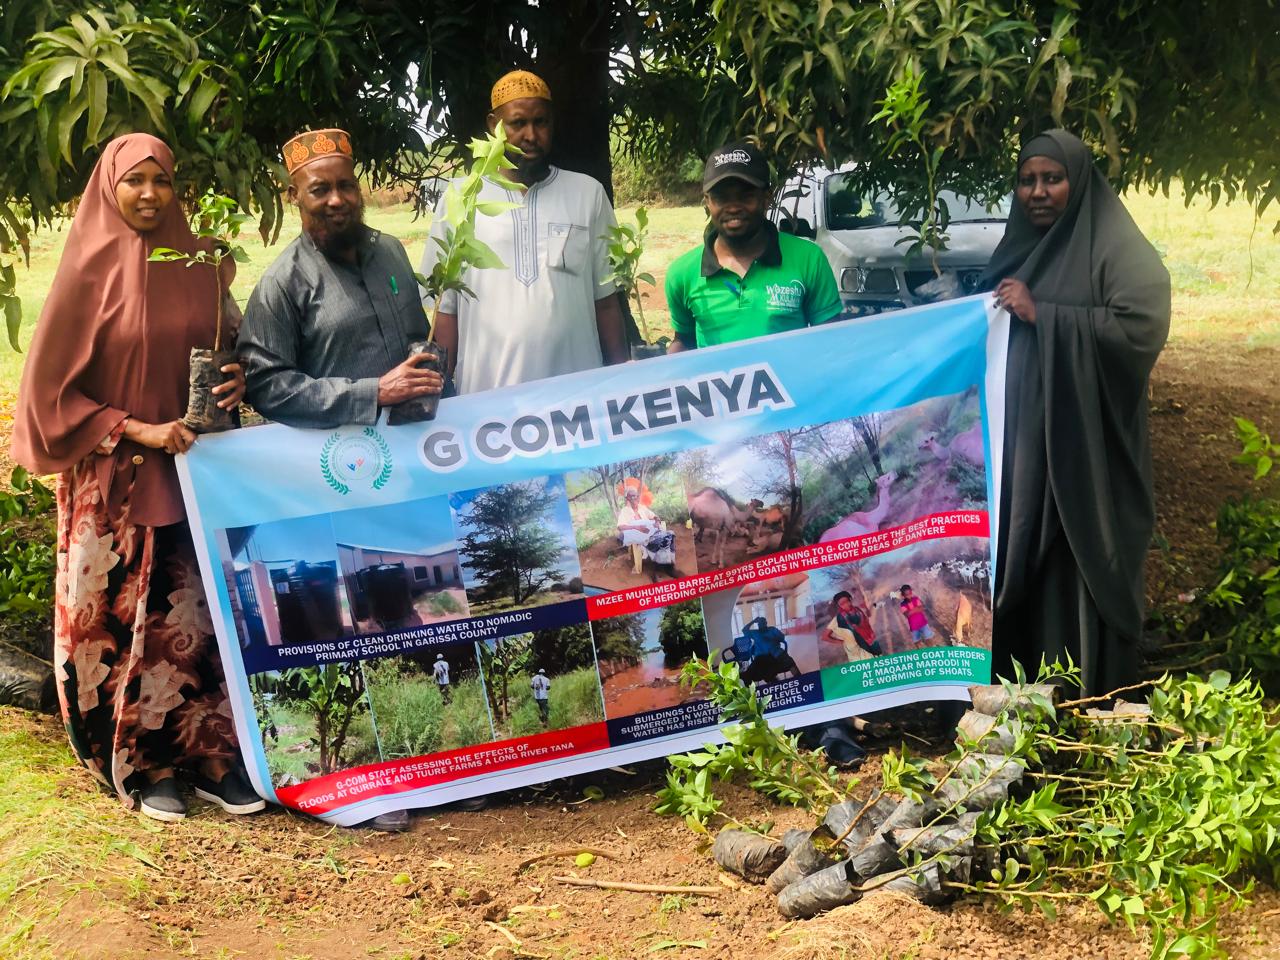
567, 247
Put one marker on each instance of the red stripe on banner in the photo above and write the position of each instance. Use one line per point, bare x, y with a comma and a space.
324, 794
936, 526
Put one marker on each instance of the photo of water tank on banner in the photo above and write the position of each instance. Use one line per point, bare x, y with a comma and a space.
414, 614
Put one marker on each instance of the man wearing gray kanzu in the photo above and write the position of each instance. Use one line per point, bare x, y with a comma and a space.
326, 332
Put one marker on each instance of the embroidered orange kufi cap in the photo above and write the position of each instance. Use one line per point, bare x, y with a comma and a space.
315, 145
517, 85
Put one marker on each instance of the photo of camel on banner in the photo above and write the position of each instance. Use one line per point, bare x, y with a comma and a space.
415, 614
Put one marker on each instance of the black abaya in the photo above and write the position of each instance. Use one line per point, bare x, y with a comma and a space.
1076, 511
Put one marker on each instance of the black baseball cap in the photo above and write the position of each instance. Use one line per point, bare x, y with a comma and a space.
740, 160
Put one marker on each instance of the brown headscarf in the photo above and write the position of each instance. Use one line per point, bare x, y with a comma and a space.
113, 342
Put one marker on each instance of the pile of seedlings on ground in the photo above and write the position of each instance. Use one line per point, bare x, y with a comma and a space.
1162, 813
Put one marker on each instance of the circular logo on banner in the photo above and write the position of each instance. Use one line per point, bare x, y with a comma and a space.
348, 459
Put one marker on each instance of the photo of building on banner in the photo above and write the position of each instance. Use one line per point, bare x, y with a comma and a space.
506, 625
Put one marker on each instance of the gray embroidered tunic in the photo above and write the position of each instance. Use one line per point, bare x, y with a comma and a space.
318, 332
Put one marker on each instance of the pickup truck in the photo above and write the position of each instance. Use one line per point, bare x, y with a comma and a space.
860, 236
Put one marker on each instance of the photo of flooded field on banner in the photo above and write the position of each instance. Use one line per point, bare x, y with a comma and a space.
642, 655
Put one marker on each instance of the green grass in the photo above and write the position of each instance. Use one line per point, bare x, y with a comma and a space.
58, 837
443, 603
540, 599
574, 699
294, 755
1226, 269
413, 720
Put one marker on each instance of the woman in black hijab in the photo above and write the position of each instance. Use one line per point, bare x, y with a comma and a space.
1090, 301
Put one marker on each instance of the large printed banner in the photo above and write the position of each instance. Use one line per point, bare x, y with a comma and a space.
416, 614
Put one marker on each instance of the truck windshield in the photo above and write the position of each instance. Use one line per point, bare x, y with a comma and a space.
848, 209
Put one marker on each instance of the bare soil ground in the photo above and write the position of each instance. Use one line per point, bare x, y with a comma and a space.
282, 887
1196, 389
608, 565
737, 549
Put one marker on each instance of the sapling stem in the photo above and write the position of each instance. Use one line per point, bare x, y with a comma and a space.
217, 331
946, 811
965, 752
997, 891
1083, 781
853, 823
1107, 750
1106, 696
644, 326
431, 327
877, 882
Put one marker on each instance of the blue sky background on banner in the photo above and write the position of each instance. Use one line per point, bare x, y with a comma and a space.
285, 541
427, 529
559, 519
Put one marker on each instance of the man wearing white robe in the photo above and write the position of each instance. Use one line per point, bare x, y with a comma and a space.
551, 311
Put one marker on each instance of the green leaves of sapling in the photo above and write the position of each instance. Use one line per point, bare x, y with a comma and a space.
624, 246
460, 249
776, 764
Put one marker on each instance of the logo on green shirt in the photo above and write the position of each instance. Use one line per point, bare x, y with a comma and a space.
785, 297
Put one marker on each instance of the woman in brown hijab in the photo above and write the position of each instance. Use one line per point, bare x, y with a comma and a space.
138, 672
1090, 302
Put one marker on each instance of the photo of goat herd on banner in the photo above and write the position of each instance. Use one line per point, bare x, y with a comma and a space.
510, 591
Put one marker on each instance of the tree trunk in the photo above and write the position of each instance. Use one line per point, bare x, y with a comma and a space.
322, 733
608, 483
871, 441
795, 520
575, 63
340, 739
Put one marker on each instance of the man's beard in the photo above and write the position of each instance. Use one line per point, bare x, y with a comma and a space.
337, 242
530, 170
743, 240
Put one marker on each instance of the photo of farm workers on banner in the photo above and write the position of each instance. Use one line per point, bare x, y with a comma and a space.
836, 546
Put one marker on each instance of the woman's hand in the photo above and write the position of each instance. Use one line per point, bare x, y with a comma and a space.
233, 388
1014, 296
173, 437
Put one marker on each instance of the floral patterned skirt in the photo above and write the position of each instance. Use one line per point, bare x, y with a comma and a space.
139, 676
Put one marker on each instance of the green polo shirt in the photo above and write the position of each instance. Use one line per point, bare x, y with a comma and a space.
789, 286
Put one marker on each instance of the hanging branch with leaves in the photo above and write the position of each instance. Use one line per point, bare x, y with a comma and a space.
905, 111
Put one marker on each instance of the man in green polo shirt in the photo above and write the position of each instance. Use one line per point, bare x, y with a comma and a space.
747, 279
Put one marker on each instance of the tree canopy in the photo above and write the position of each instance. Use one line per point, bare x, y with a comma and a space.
1159, 93
511, 548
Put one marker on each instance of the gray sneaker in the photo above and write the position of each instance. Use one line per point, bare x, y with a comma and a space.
231, 793
162, 800
397, 821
